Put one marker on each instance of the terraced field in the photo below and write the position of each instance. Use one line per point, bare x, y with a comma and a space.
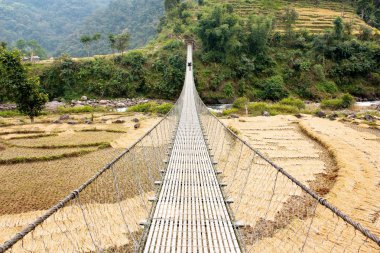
41, 163
313, 17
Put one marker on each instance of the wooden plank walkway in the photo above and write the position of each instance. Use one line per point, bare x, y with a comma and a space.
191, 213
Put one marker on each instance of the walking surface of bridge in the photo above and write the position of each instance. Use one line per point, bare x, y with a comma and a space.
191, 213
205, 178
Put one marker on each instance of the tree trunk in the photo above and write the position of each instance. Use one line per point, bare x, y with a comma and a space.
31, 119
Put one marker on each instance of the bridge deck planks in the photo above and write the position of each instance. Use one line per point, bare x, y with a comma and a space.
191, 213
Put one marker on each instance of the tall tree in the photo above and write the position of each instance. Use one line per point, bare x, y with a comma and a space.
14, 85
30, 98
122, 41
112, 42
170, 4
11, 73
289, 18
95, 39
338, 28
31, 48
86, 41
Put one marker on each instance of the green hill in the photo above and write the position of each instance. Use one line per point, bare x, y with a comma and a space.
266, 53
58, 24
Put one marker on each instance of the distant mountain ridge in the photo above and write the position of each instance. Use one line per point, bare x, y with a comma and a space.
58, 24
46, 21
139, 17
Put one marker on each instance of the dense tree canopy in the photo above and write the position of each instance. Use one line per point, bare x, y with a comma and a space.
58, 24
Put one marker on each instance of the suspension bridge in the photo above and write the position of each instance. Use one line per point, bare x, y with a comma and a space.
191, 185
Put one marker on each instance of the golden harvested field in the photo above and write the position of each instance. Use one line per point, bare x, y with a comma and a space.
338, 161
313, 17
36, 172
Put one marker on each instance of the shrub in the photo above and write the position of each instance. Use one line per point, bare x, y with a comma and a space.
163, 108
319, 72
296, 102
240, 103
327, 87
229, 90
151, 107
229, 111
345, 101
258, 108
145, 107
273, 88
233, 129
282, 109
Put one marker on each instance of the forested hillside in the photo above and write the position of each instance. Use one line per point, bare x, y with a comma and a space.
46, 21
58, 24
253, 48
138, 17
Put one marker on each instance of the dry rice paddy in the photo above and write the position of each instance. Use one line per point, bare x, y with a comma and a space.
337, 161
43, 162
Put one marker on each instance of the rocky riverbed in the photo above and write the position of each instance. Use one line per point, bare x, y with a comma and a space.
84, 101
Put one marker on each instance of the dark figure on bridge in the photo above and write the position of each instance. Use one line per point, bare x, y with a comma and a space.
189, 64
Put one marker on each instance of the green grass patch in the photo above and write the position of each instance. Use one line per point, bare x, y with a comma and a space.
32, 136
230, 111
343, 102
258, 108
293, 102
100, 145
22, 132
17, 160
81, 109
9, 113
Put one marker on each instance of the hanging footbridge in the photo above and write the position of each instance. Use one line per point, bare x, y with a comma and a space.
191, 185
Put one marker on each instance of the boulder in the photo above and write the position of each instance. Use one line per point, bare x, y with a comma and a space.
266, 114
333, 116
103, 102
320, 114
87, 121
64, 117
119, 121
53, 106
137, 125
369, 118
84, 98
57, 121
72, 122
135, 120
351, 116
120, 105
298, 115
234, 116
